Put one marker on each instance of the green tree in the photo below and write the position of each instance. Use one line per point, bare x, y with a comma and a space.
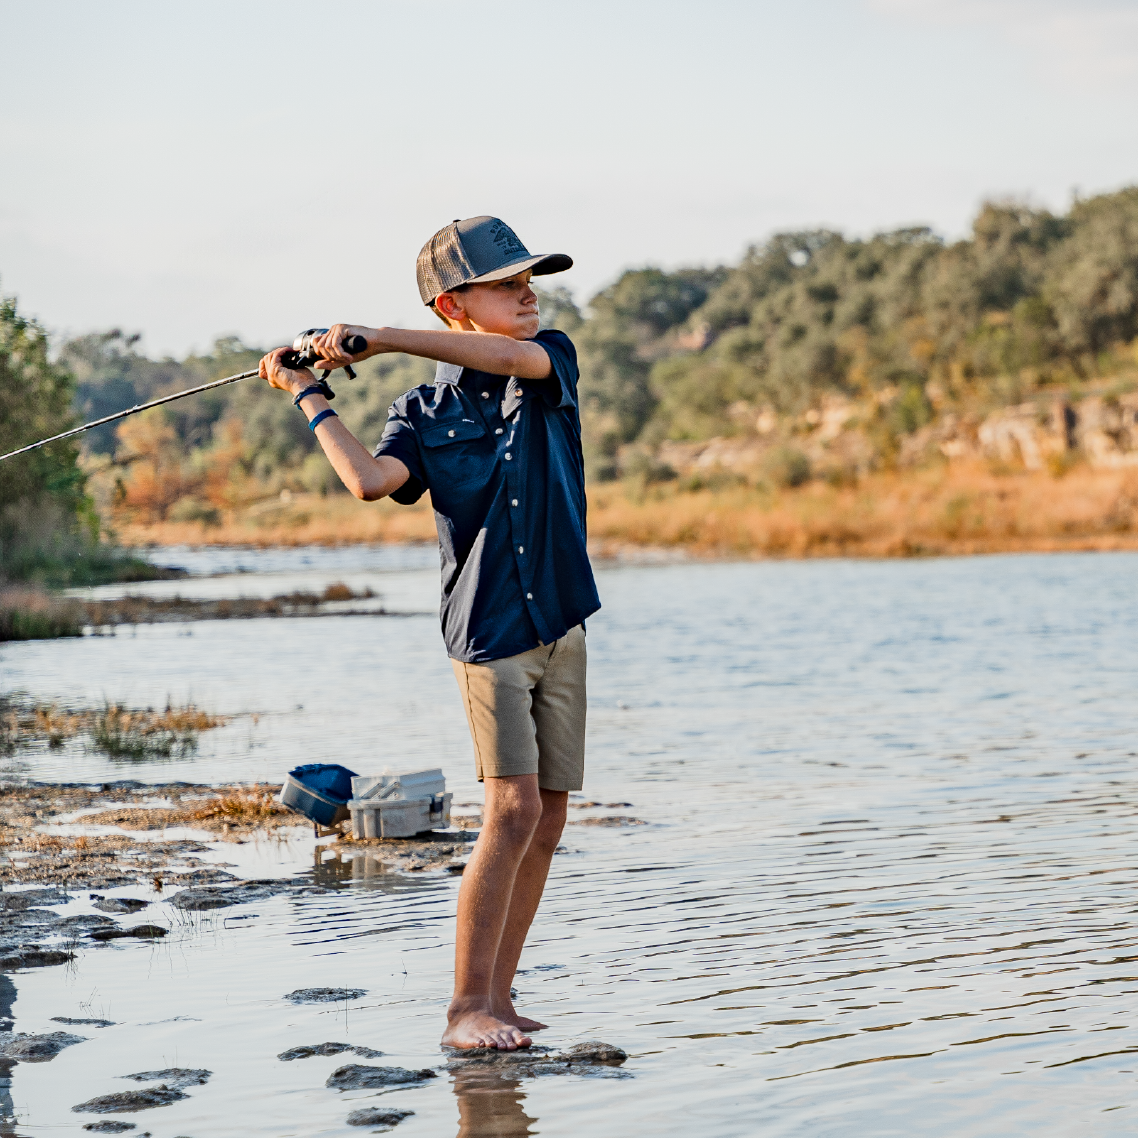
47, 523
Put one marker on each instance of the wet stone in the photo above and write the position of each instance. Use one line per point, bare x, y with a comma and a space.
374, 1116
199, 900
592, 1058
111, 1126
120, 905
176, 1077
323, 995
355, 1076
87, 1022
328, 1049
32, 956
141, 932
127, 1101
28, 897
36, 1048
85, 921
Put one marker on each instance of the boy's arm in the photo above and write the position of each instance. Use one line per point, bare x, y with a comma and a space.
367, 477
484, 351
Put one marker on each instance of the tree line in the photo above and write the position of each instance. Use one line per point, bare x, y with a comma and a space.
1030, 300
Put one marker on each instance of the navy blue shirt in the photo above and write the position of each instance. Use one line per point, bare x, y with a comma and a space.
502, 459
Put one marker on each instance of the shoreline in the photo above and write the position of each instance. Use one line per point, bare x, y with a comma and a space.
959, 510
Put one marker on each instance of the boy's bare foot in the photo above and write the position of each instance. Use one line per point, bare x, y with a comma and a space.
481, 1029
506, 1013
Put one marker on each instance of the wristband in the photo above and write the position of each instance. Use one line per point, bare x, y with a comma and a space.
316, 420
314, 389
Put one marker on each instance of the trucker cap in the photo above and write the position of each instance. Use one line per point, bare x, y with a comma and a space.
477, 251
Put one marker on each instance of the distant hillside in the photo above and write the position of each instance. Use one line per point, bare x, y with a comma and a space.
816, 357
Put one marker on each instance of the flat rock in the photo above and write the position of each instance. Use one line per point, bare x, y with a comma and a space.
590, 1058
27, 897
176, 1077
87, 1022
32, 956
120, 905
355, 1076
111, 1126
198, 900
374, 1116
304, 1052
323, 995
85, 921
128, 1101
141, 932
36, 1048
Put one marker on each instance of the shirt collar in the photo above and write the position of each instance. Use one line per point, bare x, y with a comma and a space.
448, 373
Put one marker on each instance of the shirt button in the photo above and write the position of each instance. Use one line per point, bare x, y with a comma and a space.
498, 431
521, 549
508, 456
450, 434
486, 395
514, 502
520, 392
529, 596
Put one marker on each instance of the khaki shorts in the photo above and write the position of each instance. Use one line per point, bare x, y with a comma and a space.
527, 713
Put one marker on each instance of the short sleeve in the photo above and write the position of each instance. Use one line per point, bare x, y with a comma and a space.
563, 356
399, 441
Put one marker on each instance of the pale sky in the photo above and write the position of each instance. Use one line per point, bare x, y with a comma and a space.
254, 167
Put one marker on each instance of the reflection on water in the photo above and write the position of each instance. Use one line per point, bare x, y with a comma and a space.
490, 1105
883, 883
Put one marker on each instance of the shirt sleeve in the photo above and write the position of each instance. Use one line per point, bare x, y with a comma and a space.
399, 441
563, 356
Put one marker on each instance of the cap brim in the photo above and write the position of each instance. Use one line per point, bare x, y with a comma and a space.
540, 267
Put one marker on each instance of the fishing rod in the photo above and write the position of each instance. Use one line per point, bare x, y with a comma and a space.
300, 355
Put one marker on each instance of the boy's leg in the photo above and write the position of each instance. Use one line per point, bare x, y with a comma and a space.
511, 816
528, 888
558, 712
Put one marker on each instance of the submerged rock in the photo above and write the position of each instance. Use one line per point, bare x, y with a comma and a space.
36, 1048
304, 1052
324, 995
128, 1101
176, 1077
374, 1116
355, 1076
111, 1126
87, 1022
142, 932
120, 905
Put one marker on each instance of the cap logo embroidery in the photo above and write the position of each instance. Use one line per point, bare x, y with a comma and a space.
505, 238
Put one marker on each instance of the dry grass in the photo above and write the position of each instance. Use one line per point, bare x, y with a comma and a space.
948, 510
33, 614
249, 808
957, 509
114, 729
308, 519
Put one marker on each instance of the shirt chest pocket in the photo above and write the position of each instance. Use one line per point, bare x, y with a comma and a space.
456, 450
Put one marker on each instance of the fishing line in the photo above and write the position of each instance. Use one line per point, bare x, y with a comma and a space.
301, 355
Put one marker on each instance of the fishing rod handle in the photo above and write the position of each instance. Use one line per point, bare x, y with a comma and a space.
302, 355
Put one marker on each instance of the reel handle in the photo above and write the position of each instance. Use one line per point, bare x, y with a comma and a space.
301, 355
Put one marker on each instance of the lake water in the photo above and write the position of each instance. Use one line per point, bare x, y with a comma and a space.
884, 885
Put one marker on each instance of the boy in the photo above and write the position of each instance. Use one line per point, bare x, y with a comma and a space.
497, 441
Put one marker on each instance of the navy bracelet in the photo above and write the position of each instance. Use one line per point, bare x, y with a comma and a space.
314, 422
313, 390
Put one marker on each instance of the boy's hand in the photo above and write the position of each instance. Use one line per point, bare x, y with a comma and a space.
330, 346
283, 378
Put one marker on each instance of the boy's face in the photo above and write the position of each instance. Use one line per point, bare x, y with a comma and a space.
508, 307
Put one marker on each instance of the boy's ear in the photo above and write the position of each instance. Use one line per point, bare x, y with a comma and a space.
450, 307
